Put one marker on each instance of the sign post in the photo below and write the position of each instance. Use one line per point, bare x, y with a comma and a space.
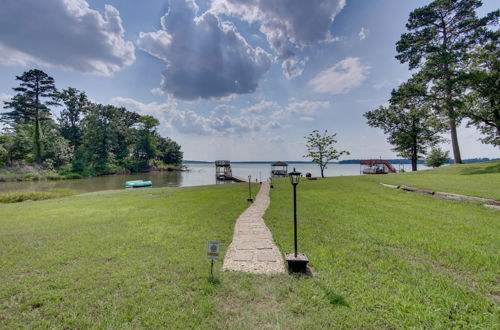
213, 253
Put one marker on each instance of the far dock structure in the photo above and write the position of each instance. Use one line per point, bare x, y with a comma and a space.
279, 170
377, 166
223, 171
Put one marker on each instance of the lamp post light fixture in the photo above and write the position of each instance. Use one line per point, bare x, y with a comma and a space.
250, 199
297, 262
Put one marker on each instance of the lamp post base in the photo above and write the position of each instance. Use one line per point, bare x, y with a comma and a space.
296, 264
250, 200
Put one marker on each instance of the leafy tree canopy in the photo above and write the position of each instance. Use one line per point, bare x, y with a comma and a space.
407, 121
320, 148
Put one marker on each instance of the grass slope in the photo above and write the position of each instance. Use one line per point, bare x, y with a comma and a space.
386, 258
383, 258
129, 259
477, 179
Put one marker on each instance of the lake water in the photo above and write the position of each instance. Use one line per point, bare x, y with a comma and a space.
198, 175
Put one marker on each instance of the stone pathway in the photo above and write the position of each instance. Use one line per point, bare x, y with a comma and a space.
253, 249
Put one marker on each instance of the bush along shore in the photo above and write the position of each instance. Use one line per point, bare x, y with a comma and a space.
22, 196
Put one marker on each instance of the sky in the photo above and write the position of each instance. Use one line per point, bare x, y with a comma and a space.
228, 79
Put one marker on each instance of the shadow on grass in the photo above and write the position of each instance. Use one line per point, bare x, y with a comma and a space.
308, 273
333, 298
485, 170
213, 280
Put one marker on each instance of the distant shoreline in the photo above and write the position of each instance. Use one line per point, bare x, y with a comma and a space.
347, 161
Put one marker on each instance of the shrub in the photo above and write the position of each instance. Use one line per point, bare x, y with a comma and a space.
54, 177
31, 177
21, 196
72, 176
437, 157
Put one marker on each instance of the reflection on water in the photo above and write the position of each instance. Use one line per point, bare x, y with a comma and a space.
198, 175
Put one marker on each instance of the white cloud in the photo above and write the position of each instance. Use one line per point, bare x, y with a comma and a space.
205, 57
11, 57
261, 107
292, 67
306, 108
224, 120
157, 91
276, 139
287, 24
363, 33
218, 122
340, 78
65, 33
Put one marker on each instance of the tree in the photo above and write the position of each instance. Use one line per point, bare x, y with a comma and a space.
146, 137
76, 105
56, 149
20, 113
320, 147
36, 92
94, 138
169, 151
437, 157
107, 139
440, 34
407, 121
16, 141
483, 79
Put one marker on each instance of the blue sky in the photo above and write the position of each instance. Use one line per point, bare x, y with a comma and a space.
228, 79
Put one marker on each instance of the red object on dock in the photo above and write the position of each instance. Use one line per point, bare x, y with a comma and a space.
372, 163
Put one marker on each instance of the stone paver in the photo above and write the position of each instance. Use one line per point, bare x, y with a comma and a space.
253, 249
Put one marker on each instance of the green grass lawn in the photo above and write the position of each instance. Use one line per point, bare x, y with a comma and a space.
382, 258
126, 259
386, 258
477, 179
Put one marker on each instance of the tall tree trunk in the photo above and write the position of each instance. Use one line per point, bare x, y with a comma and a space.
449, 97
414, 158
414, 147
454, 141
38, 156
322, 169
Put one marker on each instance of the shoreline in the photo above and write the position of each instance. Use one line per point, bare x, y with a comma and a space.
39, 175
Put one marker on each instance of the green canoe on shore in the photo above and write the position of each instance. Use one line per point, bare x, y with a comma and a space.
138, 184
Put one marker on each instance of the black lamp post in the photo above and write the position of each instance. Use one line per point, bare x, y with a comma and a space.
294, 180
296, 262
250, 199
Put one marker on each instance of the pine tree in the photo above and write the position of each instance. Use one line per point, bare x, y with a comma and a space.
36, 93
